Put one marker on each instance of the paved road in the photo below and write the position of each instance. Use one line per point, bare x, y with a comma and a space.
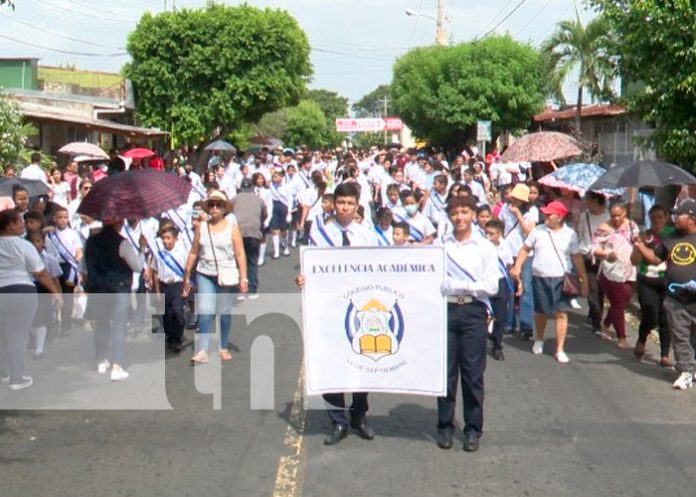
602, 425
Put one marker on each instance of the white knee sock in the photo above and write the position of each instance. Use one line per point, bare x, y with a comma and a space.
276, 245
262, 252
293, 238
40, 335
285, 241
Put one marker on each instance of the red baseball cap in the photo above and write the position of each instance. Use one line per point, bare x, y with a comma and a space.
555, 208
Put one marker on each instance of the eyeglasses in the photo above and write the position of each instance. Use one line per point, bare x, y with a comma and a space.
86, 188
216, 205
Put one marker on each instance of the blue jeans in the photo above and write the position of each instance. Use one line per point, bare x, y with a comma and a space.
207, 290
524, 319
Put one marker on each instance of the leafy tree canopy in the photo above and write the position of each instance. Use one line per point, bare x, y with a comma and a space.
13, 132
658, 49
333, 106
372, 104
306, 124
440, 92
209, 70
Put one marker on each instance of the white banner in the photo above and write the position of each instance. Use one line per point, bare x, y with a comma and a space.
374, 320
376, 124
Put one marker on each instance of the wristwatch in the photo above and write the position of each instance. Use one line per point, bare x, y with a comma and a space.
244, 280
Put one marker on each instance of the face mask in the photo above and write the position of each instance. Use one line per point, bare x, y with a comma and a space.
411, 209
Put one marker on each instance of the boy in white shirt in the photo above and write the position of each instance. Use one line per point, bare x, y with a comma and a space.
168, 264
66, 245
401, 234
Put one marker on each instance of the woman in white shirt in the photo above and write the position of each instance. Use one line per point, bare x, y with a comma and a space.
556, 251
19, 262
59, 187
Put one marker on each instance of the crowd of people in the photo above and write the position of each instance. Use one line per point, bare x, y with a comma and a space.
242, 210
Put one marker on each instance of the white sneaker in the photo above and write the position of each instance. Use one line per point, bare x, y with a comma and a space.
575, 304
252, 296
286, 252
562, 357
684, 381
241, 298
27, 381
261, 262
103, 366
118, 374
538, 347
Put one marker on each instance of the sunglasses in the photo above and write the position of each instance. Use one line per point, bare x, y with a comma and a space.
216, 205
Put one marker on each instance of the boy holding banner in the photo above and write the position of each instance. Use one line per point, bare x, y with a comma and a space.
342, 232
472, 279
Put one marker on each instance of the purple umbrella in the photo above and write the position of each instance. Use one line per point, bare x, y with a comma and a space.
135, 194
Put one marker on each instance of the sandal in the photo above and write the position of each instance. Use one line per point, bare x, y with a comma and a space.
622, 343
605, 334
201, 357
225, 355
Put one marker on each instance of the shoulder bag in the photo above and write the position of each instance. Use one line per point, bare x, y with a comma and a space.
571, 282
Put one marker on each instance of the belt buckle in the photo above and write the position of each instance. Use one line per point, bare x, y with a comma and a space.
461, 300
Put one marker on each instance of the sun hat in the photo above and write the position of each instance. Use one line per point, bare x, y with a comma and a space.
520, 192
218, 196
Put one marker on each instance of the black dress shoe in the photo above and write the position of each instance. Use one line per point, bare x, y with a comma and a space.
497, 354
444, 439
338, 434
362, 427
471, 443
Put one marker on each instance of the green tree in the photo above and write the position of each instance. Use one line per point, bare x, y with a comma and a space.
586, 52
306, 124
273, 124
372, 104
658, 56
207, 71
333, 106
13, 132
440, 92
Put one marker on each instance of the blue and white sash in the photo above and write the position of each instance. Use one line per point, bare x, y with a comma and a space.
417, 234
169, 260
66, 256
277, 195
307, 181
383, 240
181, 224
506, 275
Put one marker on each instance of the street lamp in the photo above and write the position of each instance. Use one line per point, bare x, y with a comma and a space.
440, 36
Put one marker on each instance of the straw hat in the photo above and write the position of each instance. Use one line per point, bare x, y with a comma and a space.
520, 192
219, 196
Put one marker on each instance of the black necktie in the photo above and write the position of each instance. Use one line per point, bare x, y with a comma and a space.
344, 239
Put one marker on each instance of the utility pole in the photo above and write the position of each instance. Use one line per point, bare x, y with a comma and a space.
440, 35
385, 100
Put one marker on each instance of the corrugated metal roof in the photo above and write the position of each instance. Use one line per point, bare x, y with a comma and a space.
587, 111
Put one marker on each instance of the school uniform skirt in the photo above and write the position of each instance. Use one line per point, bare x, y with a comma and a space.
279, 217
548, 295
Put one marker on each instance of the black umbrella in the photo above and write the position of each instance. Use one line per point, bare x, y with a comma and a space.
220, 145
643, 173
34, 187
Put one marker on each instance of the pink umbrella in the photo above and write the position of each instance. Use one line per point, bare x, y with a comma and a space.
83, 148
543, 146
138, 153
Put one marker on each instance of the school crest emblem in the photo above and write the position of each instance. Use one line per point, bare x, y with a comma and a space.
373, 329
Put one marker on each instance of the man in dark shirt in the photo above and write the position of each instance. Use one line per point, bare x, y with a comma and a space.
679, 250
116, 164
250, 211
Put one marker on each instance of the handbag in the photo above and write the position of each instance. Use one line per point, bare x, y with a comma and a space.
571, 282
227, 276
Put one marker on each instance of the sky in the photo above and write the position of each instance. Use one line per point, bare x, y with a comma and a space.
354, 42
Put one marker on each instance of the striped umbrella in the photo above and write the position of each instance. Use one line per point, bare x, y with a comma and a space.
543, 146
139, 193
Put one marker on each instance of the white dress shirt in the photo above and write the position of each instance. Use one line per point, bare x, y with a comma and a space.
331, 235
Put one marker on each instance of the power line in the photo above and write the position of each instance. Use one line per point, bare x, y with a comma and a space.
499, 12
378, 57
92, 43
69, 52
103, 11
93, 16
503, 19
533, 17
23, 8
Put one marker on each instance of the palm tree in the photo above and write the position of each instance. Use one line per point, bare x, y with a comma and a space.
588, 50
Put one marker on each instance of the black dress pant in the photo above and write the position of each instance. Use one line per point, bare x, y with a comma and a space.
466, 357
173, 319
337, 407
595, 297
68, 289
252, 248
501, 306
651, 296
